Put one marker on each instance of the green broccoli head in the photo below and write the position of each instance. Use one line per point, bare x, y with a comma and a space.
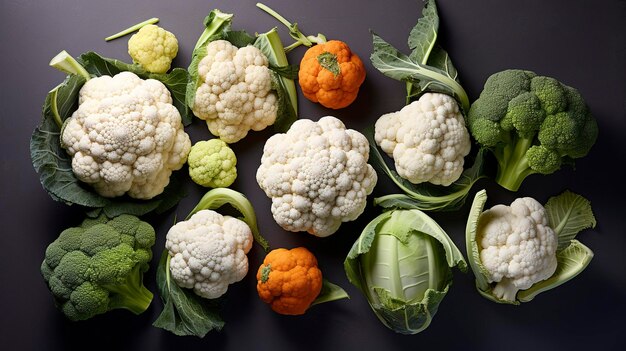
99, 266
531, 123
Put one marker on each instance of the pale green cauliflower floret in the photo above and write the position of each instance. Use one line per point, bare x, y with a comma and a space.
212, 164
427, 139
153, 48
316, 175
517, 246
235, 91
208, 252
126, 137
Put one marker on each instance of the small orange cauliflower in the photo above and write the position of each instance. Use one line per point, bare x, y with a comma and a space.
289, 280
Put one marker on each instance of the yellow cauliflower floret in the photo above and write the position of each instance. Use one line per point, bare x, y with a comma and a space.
154, 48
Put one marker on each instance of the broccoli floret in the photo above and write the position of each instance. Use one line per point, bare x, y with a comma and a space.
99, 266
531, 123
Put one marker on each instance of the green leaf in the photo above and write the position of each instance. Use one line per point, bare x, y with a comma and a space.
218, 197
394, 64
425, 224
51, 162
423, 36
329, 62
330, 292
425, 196
440, 59
184, 312
175, 81
471, 244
239, 38
571, 261
285, 115
408, 317
361, 246
54, 165
289, 71
569, 214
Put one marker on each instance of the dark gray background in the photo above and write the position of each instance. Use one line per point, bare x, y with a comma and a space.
582, 43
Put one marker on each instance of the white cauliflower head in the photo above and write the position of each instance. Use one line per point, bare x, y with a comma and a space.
427, 139
208, 252
517, 247
317, 175
126, 137
235, 92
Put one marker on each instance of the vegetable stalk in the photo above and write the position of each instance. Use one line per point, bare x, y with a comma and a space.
513, 165
219, 197
64, 62
215, 22
294, 31
131, 29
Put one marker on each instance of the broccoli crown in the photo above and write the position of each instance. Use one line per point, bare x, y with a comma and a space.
532, 122
99, 266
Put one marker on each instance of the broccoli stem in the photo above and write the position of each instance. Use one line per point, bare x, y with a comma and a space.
132, 294
129, 30
513, 165
294, 32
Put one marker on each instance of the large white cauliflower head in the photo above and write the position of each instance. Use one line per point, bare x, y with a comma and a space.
517, 247
235, 92
126, 137
316, 175
427, 139
208, 252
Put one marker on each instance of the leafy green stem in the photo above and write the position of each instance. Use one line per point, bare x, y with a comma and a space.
64, 62
131, 29
294, 31
219, 197
214, 23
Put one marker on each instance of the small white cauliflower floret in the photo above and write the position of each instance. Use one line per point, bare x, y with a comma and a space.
427, 139
235, 91
126, 137
517, 247
208, 252
316, 175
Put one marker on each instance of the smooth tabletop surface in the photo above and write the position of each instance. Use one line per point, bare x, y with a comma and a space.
581, 43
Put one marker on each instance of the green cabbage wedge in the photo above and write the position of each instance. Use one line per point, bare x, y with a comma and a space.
402, 263
568, 214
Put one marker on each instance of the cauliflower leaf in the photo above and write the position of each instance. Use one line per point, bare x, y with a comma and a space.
184, 313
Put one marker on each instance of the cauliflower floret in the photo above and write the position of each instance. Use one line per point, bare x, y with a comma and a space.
427, 139
235, 91
126, 137
208, 252
212, 163
153, 48
517, 246
316, 175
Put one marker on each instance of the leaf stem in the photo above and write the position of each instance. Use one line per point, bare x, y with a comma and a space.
294, 32
129, 30
64, 62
